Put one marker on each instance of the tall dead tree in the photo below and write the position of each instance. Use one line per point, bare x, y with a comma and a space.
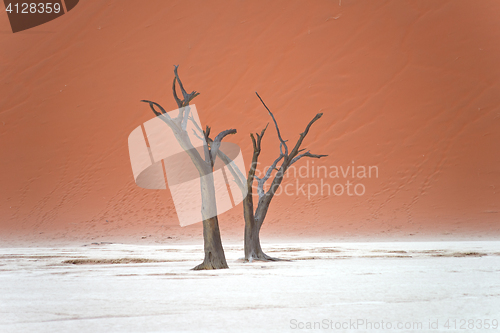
214, 252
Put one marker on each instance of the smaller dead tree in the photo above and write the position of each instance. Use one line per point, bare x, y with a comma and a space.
255, 218
214, 252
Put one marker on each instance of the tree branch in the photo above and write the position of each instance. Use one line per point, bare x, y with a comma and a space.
262, 181
207, 134
185, 117
197, 126
214, 147
197, 135
283, 142
152, 105
183, 91
187, 97
164, 116
235, 171
306, 154
203, 138
254, 143
177, 100
295, 149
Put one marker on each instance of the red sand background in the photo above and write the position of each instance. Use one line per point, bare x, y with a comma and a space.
409, 86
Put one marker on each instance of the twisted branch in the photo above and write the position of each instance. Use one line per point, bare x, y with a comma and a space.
187, 97
214, 147
275, 123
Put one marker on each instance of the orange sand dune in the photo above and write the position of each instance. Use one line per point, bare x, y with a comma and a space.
409, 87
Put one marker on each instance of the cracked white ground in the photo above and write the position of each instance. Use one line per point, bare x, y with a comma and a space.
132, 288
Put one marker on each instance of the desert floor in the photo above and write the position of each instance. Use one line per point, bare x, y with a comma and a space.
400, 286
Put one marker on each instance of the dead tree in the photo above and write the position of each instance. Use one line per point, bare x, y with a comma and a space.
214, 252
255, 218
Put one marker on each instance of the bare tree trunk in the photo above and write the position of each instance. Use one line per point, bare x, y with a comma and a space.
253, 250
253, 221
253, 224
252, 241
214, 252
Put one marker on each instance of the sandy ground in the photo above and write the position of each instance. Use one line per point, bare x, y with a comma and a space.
411, 87
133, 288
